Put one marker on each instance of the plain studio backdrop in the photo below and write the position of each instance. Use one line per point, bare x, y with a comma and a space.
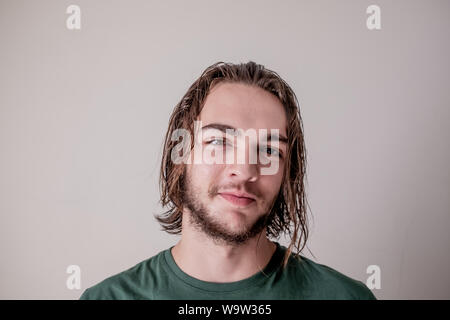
83, 113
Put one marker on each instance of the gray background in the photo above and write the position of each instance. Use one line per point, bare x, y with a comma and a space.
83, 114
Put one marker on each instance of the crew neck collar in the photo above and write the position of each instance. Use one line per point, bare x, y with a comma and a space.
274, 263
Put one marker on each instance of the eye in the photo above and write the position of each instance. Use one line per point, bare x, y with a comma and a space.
271, 151
216, 141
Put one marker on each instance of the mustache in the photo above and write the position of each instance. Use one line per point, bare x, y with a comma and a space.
214, 190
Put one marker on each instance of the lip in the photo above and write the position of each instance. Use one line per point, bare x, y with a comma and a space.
237, 199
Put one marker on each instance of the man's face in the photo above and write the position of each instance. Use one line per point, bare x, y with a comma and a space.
215, 192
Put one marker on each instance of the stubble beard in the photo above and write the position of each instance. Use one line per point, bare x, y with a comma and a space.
203, 220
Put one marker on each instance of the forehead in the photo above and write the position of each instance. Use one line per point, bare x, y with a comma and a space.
243, 106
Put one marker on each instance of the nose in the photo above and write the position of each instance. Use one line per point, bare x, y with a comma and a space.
241, 173
243, 167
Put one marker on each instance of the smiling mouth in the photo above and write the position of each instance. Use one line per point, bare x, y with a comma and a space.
239, 201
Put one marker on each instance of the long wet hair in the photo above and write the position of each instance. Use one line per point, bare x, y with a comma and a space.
288, 214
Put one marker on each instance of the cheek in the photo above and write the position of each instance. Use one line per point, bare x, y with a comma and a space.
204, 174
272, 183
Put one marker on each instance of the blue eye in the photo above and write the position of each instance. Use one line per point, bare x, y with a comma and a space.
271, 151
217, 142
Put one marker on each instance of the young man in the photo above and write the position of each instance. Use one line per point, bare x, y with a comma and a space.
226, 209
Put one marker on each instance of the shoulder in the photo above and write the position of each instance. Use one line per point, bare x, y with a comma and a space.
127, 284
325, 282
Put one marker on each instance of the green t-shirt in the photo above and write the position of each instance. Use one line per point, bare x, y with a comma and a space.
159, 277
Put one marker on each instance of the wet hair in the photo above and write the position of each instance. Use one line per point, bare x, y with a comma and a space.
288, 214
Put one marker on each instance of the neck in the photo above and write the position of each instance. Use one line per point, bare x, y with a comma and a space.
202, 258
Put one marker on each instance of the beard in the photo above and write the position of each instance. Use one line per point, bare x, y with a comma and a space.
202, 219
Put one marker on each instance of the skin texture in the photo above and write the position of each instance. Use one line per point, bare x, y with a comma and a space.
223, 241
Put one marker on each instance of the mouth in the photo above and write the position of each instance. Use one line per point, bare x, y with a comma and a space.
237, 200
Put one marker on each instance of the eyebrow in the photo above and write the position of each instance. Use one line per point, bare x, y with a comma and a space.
224, 127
